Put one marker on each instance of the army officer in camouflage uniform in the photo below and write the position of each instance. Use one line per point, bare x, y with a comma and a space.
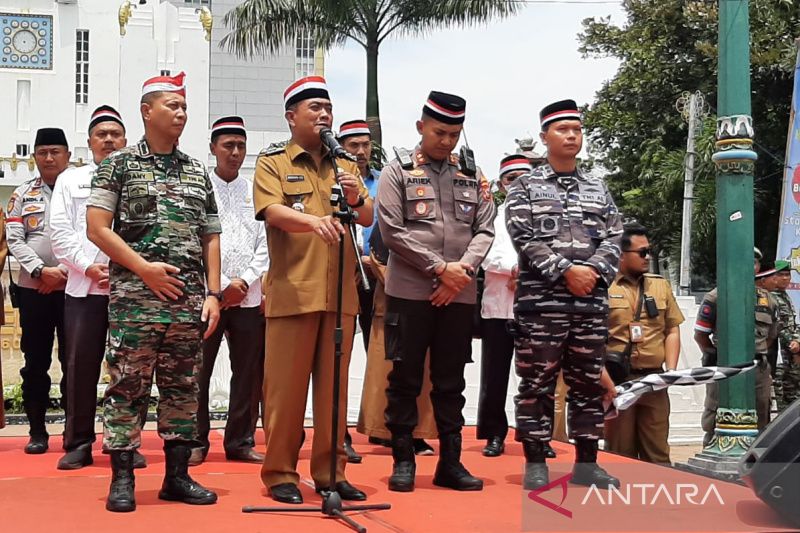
164, 242
786, 378
566, 229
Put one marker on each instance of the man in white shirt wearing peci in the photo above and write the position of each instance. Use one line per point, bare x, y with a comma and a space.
244, 259
86, 300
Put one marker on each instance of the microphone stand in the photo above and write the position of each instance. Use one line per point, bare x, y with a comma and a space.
331, 501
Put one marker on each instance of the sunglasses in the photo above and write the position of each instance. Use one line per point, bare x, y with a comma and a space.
643, 252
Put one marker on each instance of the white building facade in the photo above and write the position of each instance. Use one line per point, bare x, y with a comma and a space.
61, 59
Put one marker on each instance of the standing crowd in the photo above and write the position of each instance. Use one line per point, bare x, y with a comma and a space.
145, 260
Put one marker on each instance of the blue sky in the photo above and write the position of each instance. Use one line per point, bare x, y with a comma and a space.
507, 71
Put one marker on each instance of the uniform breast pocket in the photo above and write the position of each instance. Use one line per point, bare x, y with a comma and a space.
594, 222
619, 310
194, 199
300, 196
140, 204
763, 319
33, 217
466, 202
420, 202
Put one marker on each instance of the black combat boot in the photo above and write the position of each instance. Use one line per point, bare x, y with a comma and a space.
178, 486
450, 472
586, 472
536, 473
549, 452
38, 442
404, 468
120, 495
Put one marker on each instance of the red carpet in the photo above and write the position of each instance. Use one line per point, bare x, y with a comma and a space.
35, 497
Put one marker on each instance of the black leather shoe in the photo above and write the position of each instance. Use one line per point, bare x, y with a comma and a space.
352, 455
37, 445
246, 455
346, 491
386, 443
138, 460
75, 459
422, 448
549, 452
588, 474
536, 476
286, 493
494, 447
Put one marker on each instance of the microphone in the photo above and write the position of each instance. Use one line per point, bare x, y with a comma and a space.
330, 142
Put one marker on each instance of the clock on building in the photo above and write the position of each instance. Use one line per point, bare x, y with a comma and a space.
27, 41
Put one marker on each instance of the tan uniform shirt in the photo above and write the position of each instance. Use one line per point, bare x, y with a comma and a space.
623, 298
432, 214
302, 277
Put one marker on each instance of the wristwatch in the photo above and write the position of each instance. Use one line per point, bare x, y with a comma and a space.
37, 272
216, 294
359, 203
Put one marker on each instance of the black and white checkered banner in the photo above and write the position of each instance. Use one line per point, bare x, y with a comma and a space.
630, 391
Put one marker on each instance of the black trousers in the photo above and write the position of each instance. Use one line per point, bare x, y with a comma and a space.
411, 327
244, 329
497, 352
86, 325
41, 317
365, 300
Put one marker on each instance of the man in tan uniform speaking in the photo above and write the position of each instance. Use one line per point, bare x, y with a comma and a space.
292, 190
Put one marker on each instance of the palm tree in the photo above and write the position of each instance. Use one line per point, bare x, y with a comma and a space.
266, 26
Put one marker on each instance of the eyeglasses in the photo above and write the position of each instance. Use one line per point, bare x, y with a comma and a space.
642, 252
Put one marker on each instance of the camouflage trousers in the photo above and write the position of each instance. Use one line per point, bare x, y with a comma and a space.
135, 351
545, 344
787, 383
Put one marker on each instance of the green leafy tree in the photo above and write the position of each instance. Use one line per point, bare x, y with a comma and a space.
266, 26
667, 47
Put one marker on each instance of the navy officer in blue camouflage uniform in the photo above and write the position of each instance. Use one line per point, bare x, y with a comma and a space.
567, 230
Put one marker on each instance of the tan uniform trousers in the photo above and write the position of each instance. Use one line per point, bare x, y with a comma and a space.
642, 430
299, 347
371, 421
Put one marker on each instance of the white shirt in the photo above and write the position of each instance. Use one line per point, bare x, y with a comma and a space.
498, 300
243, 243
71, 246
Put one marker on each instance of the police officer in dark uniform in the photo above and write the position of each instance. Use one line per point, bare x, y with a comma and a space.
41, 281
435, 213
567, 230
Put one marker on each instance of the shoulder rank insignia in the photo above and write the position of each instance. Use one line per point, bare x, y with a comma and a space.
274, 148
404, 157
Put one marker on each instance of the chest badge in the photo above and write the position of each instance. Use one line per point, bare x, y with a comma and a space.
417, 172
420, 192
421, 208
